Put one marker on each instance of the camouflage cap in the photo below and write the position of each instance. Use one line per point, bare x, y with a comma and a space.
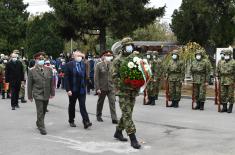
16, 51
127, 41
199, 52
228, 52
149, 52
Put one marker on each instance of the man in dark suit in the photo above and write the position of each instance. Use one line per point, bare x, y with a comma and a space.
40, 87
76, 74
14, 74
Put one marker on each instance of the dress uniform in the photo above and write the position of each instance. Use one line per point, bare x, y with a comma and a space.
40, 88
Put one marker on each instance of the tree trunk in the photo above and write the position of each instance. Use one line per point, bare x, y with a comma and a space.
102, 39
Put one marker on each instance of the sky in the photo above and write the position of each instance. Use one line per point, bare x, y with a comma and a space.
38, 6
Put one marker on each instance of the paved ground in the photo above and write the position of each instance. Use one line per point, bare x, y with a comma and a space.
161, 130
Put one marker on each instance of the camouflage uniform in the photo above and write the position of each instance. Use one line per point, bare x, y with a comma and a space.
154, 83
175, 75
22, 88
126, 95
200, 71
226, 72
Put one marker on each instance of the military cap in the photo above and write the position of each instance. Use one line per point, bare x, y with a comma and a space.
199, 52
175, 52
16, 51
127, 41
37, 55
105, 52
228, 52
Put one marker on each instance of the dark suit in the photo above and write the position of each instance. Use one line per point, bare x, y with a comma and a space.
14, 74
75, 81
40, 87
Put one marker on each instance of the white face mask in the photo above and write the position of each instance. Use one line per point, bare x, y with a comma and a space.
109, 58
154, 57
226, 57
129, 48
174, 56
78, 59
198, 57
4, 61
14, 59
148, 56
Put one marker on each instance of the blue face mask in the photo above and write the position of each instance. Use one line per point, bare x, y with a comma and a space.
129, 49
41, 62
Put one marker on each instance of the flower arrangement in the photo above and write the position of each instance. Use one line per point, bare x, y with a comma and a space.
135, 72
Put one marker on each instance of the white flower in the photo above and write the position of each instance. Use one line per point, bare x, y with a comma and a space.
135, 59
145, 61
131, 65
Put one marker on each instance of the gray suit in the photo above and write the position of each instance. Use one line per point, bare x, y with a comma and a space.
104, 82
40, 87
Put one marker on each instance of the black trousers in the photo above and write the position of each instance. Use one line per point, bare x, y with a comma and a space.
15, 89
82, 105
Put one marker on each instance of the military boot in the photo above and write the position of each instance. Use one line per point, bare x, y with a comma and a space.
134, 143
176, 105
224, 108
197, 106
3, 95
23, 100
230, 108
152, 101
118, 135
202, 105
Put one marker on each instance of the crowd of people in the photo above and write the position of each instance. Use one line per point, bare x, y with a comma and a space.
78, 74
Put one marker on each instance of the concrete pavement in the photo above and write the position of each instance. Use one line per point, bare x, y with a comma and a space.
161, 130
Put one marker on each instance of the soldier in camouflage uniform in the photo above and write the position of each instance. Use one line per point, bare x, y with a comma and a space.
154, 83
226, 72
175, 75
22, 88
126, 95
200, 71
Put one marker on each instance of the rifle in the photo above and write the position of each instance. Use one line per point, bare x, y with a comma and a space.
193, 96
219, 96
167, 92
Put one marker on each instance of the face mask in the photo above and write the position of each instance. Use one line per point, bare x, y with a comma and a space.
63, 63
154, 57
226, 57
129, 49
198, 57
108, 58
41, 62
174, 56
14, 59
78, 59
148, 56
4, 61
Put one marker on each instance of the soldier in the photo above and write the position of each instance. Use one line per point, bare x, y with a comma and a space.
104, 86
2, 68
40, 87
200, 71
226, 72
126, 95
22, 88
175, 75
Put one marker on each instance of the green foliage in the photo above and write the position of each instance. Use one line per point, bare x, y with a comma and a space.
42, 36
154, 32
13, 21
80, 17
208, 22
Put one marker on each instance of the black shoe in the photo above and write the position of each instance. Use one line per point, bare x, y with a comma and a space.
134, 143
176, 105
230, 108
8, 96
115, 121
17, 106
152, 101
13, 108
224, 108
43, 131
99, 119
118, 135
72, 125
23, 100
3, 95
87, 125
202, 105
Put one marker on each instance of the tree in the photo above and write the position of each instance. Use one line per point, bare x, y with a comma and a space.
154, 32
95, 17
208, 22
42, 35
13, 21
